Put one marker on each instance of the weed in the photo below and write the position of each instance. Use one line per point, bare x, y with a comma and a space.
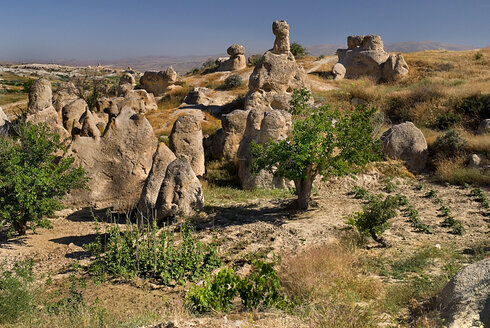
431, 194
389, 187
15, 296
359, 193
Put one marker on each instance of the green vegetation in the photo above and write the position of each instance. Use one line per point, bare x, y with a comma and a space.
260, 289
33, 179
374, 218
141, 250
322, 141
231, 82
298, 50
15, 296
450, 144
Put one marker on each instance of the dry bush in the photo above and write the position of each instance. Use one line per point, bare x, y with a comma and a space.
174, 98
454, 171
330, 283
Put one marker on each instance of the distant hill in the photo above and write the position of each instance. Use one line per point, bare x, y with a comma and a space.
329, 49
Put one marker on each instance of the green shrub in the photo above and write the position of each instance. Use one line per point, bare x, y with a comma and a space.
33, 179
476, 108
261, 288
478, 56
15, 296
231, 82
144, 251
359, 193
451, 144
298, 50
374, 218
445, 121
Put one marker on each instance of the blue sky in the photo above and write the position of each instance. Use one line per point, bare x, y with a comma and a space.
108, 29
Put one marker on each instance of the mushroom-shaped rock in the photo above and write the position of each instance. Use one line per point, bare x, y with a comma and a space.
406, 142
149, 195
236, 61
466, 297
186, 141
181, 192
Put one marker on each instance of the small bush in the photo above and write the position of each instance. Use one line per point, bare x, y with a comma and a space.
15, 297
475, 107
298, 50
375, 216
146, 252
451, 144
261, 288
445, 121
231, 82
359, 193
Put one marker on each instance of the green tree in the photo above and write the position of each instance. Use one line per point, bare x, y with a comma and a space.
298, 50
33, 179
322, 142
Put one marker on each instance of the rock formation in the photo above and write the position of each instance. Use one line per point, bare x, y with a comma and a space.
117, 163
365, 56
40, 108
5, 124
338, 71
181, 192
234, 125
466, 297
65, 94
236, 61
72, 113
159, 82
148, 199
126, 83
406, 142
276, 74
484, 127
186, 141
139, 100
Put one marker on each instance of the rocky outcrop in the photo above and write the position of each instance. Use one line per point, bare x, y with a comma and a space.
276, 75
237, 60
466, 297
159, 82
65, 94
365, 56
234, 125
148, 199
406, 142
5, 124
126, 84
262, 126
117, 163
199, 96
139, 100
71, 115
181, 192
186, 141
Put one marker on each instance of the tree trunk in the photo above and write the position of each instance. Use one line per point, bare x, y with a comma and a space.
303, 189
20, 227
379, 239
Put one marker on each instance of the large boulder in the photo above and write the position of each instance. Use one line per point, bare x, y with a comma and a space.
40, 96
181, 192
338, 71
466, 297
186, 141
261, 127
148, 199
5, 124
159, 82
406, 142
117, 163
365, 56
236, 61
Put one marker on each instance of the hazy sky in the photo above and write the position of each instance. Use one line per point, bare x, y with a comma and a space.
106, 29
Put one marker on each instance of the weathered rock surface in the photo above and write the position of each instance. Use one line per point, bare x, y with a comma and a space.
406, 142
40, 96
262, 126
159, 82
466, 297
139, 100
88, 123
5, 124
236, 61
186, 141
199, 96
281, 43
149, 195
65, 94
338, 71
484, 127
72, 113
234, 125
365, 56
126, 84
117, 163
181, 192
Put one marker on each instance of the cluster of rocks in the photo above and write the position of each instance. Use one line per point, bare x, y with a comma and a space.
236, 61
365, 56
118, 150
158, 83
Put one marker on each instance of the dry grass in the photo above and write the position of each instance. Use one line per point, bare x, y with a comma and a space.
454, 170
332, 286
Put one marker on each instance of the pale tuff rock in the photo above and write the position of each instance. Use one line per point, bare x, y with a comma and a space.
406, 142
139, 100
237, 60
162, 158
186, 141
199, 96
88, 123
281, 43
365, 56
72, 113
234, 125
181, 192
126, 84
477, 160
40, 96
65, 94
117, 163
338, 71
159, 82
466, 297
